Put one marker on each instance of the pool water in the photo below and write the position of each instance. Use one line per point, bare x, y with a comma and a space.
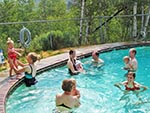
98, 93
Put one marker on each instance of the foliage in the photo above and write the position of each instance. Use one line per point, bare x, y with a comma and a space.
62, 22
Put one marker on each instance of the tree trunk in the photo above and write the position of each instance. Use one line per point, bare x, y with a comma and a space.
147, 20
86, 32
142, 33
134, 20
81, 21
142, 21
101, 32
105, 33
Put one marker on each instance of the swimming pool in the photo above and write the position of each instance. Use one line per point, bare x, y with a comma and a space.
98, 95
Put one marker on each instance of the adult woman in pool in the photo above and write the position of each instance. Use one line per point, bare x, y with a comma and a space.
29, 69
73, 67
131, 85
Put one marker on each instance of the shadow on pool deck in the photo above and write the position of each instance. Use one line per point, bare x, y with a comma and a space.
7, 84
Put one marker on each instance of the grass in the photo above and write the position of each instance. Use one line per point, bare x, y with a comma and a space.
43, 54
3, 67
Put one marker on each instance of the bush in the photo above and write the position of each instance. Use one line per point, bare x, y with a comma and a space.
52, 40
35, 44
56, 39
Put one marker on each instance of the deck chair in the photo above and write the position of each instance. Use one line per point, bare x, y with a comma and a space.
2, 61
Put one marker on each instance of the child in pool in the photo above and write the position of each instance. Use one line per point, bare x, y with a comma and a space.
75, 91
126, 60
78, 65
12, 55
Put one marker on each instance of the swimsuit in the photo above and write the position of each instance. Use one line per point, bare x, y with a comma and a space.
74, 66
63, 105
12, 54
29, 79
131, 89
63, 109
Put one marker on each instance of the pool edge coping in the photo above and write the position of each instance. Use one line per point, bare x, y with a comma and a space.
82, 52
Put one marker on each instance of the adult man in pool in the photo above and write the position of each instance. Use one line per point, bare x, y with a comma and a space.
66, 101
133, 61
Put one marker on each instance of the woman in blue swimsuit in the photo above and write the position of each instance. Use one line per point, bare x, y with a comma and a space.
29, 69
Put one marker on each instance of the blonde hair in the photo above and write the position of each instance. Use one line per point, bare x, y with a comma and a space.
9, 40
34, 56
73, 81
126, 57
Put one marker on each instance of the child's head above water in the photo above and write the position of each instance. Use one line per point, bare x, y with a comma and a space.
126, 59
73, 82
78, 64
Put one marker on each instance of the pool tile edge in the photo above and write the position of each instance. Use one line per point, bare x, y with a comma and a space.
9, 85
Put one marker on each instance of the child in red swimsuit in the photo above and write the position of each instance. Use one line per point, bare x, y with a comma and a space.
12, 55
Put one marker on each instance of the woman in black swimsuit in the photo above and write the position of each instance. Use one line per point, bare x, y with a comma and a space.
72, 63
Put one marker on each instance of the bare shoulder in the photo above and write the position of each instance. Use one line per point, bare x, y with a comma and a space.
58, 95
68, 62
75, 98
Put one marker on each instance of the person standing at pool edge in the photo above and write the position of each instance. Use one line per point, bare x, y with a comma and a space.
29, 69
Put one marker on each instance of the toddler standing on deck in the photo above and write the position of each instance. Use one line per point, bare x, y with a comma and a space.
12, 55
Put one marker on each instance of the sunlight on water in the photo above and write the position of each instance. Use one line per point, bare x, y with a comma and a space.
98, 94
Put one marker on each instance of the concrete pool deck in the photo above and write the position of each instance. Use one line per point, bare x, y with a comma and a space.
7, 84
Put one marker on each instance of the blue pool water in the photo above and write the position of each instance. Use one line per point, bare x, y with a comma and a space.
98, 94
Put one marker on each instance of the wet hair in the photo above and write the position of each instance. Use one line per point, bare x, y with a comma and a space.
67, 85
71, 52
34, 56
133, 50
134, 75
97, 53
